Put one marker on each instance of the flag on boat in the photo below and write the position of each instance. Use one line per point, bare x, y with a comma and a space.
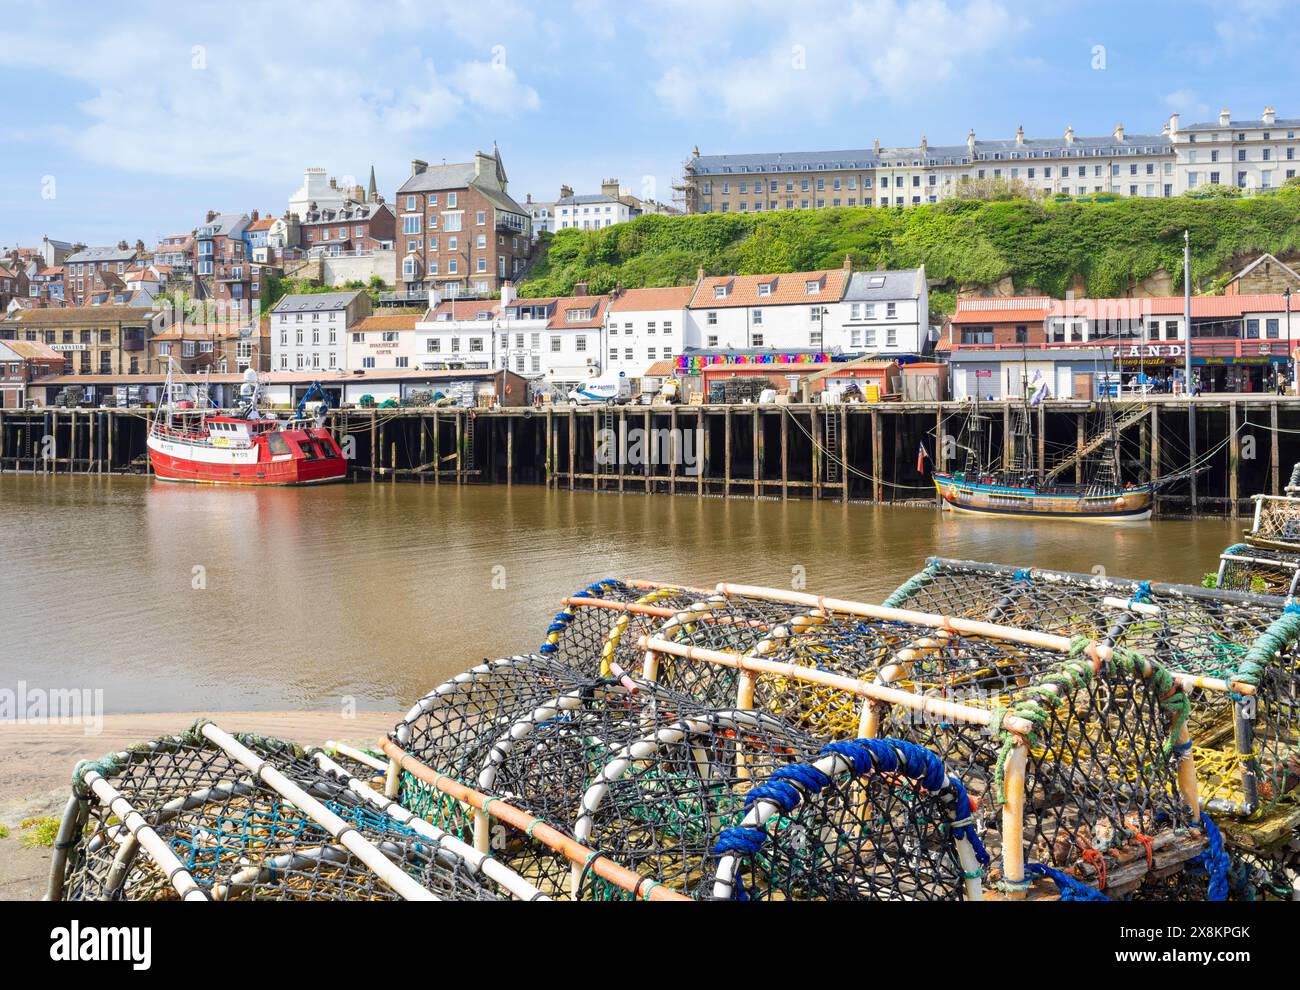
921, 456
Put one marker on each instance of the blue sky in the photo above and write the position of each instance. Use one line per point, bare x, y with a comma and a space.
131, 121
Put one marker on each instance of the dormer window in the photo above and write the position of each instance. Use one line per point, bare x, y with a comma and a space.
812, 286
719, 292
765, 288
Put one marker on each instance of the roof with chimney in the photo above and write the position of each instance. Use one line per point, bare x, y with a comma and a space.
96, 255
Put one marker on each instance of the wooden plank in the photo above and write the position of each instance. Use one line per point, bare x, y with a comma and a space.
726, 451
1275, 456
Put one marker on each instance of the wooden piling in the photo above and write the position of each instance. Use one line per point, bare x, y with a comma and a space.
510, 451
877, 457
815, 422
1081, 437
756, 451
726, 451
1275, 457
1234, 461
785, 453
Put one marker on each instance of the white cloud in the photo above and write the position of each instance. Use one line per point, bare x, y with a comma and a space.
825, 55
280, 91
494, 87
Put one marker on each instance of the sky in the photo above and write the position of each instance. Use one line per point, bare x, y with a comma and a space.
129, 121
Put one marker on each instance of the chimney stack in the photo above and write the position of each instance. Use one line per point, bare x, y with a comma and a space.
875, 147
1069, 134
848, 262
1020, 134
581, 288
1225, 118
1173, 124
925, 145
970, 143
418, 167
254, 216
566, 192
1119, 132
507, 292
212, 215
609, 187
1270, 116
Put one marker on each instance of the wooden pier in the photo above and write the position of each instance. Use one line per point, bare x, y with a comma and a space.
849, 453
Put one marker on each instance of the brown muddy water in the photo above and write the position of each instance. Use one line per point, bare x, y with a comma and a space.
178, 598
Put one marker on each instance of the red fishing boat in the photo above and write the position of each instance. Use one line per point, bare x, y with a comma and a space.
248, 448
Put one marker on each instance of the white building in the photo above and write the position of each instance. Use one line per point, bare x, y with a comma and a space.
594, 212
882, 313
1254, 155
791, 311
542, 214
325, 192
1250, 154
459, 333
309, 332
383, 343
647, 325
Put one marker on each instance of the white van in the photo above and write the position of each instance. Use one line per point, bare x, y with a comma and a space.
604, 388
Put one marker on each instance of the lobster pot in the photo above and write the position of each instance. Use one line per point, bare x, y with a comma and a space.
183, 816
1276, 524
869, 820
1198, 632
1260, 570
659, 803
453, 727
1100, 781
602, 637
548, 761
578, 634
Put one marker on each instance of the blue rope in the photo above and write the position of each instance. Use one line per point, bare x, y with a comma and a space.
1141, 594
564, 618
1214, 861
789, 784
1024, 575
1070, 888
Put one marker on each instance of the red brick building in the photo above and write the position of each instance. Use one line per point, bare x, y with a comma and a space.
458, 230
353, 228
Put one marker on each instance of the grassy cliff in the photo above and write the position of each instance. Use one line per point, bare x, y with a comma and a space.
1104, 247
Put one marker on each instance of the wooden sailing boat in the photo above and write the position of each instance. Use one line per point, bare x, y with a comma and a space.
1022, 487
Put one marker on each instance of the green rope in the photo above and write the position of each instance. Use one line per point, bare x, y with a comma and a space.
1040, 702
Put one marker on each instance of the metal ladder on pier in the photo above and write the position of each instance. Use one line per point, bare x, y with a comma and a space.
467, 442
831, 445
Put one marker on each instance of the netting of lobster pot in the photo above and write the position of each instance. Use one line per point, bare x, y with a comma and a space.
590, 636
1261, 570
189, 816
453, 728
1245, 745
1101, 768
869, 819
645, 776
1276, 523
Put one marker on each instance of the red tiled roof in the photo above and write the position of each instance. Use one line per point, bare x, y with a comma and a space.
401, 321
567, 304
646, 300
786, 289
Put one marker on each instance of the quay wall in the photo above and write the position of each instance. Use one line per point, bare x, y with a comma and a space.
853, 453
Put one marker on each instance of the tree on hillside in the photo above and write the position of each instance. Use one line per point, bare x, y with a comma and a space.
995, 190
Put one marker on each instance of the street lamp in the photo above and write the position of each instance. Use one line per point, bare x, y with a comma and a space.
1290, 361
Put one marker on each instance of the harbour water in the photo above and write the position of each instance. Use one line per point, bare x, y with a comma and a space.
179, 598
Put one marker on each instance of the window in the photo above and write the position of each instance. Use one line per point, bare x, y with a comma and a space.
411, 224
711, 318
757, 340
367, 362
555, 345
480, 218
433, 345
